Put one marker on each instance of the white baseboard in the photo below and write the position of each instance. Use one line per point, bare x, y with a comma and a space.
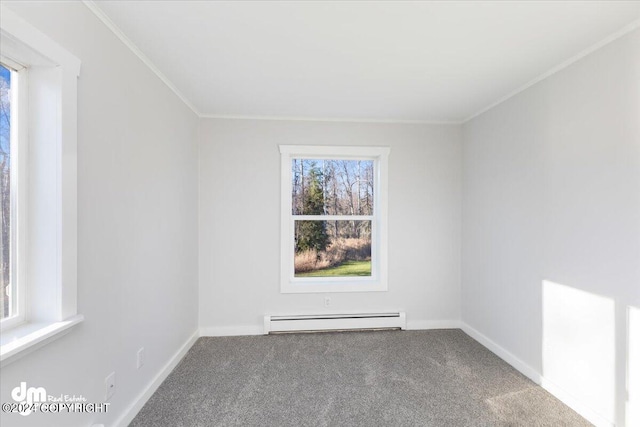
133, 409
413, 325
243, 330
501, 352
231, 331
575, 404
504, 354
560, 393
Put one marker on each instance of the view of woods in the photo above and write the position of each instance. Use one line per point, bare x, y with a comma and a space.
5, 191
330, 246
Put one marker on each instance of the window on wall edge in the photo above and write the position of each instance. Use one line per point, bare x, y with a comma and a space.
39, 146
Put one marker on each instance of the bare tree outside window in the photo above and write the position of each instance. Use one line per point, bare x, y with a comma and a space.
336, 247
5, 192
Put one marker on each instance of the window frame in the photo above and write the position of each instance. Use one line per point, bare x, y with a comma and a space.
19, 184
377, 282
50, 124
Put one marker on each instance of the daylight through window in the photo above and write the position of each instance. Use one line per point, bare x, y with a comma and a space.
8, 291
334, 218
332, 206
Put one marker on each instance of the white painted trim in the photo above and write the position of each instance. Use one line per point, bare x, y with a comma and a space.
378, 281
575, 404
93, 7
28, 35
330, 119
9, 63
19, 149
258, 329
231, 331
418, 325
29, 337
22, 163
132, 410
502, 353
333, 218
528, 371
59, 74
621, 32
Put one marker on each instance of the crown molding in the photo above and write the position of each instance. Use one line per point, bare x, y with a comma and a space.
93, 7
329, 119
100, 14
612, 37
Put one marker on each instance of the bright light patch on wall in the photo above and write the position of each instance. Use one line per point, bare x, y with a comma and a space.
579, 346
633, 367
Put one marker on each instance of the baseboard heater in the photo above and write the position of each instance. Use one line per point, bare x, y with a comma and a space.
334, 322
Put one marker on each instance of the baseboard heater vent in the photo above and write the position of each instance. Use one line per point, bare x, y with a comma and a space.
334, 322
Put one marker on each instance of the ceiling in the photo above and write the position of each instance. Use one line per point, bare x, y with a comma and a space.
359, 60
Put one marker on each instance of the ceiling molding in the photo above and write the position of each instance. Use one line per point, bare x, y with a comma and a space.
621, 32
330, 119
93, 7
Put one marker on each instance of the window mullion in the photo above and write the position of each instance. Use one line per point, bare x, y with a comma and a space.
346, 253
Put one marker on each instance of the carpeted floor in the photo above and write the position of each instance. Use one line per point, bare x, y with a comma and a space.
390, 378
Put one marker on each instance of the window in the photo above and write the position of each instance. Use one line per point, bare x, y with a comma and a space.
39, 202
12, 295
333, 219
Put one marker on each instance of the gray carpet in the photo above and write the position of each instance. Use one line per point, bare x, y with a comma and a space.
390, 378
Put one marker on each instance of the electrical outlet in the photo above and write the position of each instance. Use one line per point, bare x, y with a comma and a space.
140, 358
327, 301
110, 385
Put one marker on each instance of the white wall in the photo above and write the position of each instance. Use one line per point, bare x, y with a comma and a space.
551, 192
137, 225
240, 217
551, 225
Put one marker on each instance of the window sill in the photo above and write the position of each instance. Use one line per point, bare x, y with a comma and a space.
22, 340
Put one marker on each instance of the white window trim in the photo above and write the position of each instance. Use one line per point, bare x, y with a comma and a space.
19, 176
378, 280
38, 49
